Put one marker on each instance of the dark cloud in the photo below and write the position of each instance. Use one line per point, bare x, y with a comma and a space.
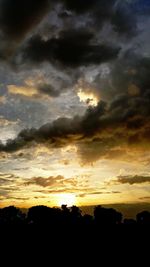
80, 6
18, 17
132, 69
59, 181
48, 89
45, 182
68, 44
72, 48
123, 121
135, 179
124, 20
60, 131
74, 39
127, 117
121, 15
129, 74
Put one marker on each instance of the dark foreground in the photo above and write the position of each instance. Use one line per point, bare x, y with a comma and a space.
50, 237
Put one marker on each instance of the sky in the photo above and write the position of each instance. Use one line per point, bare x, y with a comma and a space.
74, 102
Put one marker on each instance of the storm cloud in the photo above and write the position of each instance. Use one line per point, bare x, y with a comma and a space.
123, 121
26, 14
70, 45
74, 84
13, 13
72, 48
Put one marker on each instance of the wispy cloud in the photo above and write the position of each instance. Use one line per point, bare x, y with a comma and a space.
145, 198
98, 193
130, 179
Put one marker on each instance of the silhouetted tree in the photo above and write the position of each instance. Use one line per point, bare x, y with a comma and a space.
129, 221
75, 214
11, 215
105, 216
66, 217
87, 220
65, 208
143, 217
43, 215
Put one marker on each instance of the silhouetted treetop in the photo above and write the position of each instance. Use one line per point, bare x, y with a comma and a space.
65, 216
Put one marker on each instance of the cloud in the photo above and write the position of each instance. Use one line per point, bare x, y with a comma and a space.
121, 15
4, 181
80, 6
45, 182
52, 181
34, 89
124, 20
60, 132
129, 179
26, 14
64, 161
87, 93
2, 99
22, 90
49, 90
102, 43
72, 48
9, 184
16, 20
98, 193
145, 198
7, 178
4, 122
122, 122
17, 198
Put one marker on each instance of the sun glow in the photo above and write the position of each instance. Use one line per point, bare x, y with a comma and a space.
87, 93
87, 97
66, 199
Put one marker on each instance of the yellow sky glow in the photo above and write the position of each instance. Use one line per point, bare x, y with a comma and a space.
87, 97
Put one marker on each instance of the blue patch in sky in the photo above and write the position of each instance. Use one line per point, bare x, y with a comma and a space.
141, 6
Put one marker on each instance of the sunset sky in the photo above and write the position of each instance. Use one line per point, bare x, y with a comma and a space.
74, 102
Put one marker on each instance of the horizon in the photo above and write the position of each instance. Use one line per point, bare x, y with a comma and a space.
128, 210
74, 103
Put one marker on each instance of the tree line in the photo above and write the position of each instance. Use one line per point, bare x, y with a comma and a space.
66, 216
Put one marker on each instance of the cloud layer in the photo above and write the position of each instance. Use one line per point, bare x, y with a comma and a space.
77, 73
72, 48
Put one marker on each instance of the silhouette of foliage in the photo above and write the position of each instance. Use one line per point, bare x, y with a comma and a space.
11, 215
107, 216
43, 215
143, 217
129, 221
65, 216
